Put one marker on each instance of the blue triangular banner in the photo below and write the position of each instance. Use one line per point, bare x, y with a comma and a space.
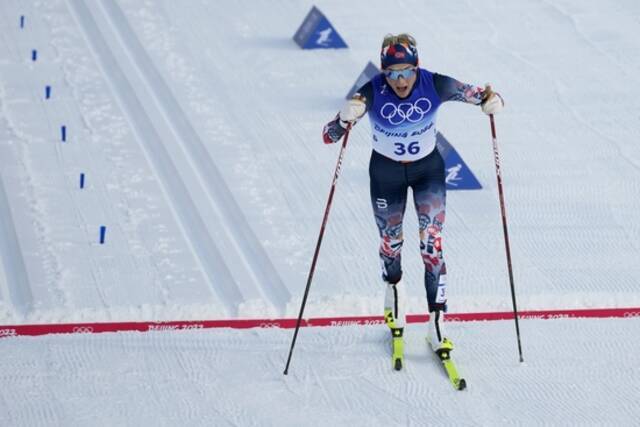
316, 32
369, 72
459, 176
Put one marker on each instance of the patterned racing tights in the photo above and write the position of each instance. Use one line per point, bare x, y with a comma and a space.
390, 181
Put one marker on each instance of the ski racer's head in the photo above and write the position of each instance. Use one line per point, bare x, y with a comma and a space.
399, 60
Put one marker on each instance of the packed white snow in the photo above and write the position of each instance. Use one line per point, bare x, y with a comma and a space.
576, 372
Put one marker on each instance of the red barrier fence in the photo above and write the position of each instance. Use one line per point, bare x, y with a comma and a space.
97, 327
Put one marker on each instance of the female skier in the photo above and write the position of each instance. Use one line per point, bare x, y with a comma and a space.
402, 102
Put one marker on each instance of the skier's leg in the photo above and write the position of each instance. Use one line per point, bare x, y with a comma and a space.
435, 275
388, 188
429, 193
435, 269
388, 214
388, 199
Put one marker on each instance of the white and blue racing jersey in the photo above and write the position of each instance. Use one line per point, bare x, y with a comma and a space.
404, 129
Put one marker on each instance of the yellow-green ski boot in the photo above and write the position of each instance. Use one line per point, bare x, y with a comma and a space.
444, 353
388, 318
443, 347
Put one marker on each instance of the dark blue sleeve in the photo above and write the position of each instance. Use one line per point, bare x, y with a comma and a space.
450, 89
333, 130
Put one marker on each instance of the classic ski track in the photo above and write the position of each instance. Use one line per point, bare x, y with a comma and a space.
298, 227
17, 291
239, 233
192, 223
22, 291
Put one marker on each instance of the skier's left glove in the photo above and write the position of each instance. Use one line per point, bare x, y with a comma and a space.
492, 102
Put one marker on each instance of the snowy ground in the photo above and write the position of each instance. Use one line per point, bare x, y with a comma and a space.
576, 372
197, 126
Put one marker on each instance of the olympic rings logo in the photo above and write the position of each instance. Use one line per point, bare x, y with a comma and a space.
405, 111
269, 325
82, 330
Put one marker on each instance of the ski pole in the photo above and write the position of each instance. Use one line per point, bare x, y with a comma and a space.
317, 251
504, 228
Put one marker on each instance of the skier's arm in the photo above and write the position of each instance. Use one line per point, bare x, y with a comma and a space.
450, 89
352, 111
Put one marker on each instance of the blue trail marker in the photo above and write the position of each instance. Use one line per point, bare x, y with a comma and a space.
316, 32
63, 133
34, 54
82, 180
21, 21
458, 174
47, 92
103, 232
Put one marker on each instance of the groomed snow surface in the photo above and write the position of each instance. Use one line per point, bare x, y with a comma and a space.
197, 126
576, 372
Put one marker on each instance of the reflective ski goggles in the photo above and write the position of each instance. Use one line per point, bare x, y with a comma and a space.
396, 74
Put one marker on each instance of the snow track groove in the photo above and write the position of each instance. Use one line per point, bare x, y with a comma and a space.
17, 291
240, 243
209, 256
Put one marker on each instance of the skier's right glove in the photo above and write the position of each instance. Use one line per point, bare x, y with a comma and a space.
492, 102
352, 111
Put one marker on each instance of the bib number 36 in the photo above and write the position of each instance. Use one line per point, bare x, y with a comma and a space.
411, 148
